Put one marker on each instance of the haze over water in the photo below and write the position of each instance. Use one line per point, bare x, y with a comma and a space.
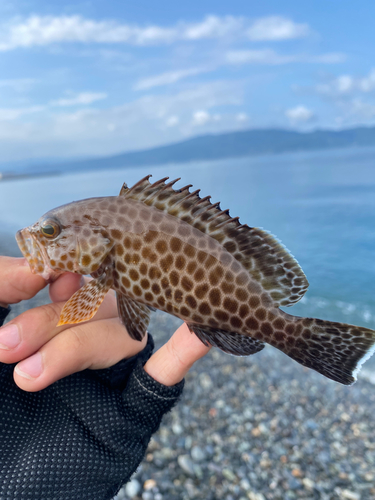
321, 205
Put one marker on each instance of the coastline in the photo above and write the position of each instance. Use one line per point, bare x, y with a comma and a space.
69, 166
257, 428
11, 176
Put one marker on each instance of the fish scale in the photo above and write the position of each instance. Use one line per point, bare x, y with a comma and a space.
167, 249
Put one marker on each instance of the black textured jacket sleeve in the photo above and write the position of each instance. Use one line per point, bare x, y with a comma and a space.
82, 437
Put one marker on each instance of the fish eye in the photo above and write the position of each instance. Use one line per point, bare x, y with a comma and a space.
50, 228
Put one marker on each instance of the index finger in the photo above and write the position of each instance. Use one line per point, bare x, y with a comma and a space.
173, 360
17, 281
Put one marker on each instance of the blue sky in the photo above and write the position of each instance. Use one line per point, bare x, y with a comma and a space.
101, 77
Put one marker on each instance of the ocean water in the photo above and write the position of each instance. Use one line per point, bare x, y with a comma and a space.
321, 205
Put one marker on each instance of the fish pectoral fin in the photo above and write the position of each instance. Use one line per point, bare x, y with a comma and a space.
229, 342
84, 304
134, 316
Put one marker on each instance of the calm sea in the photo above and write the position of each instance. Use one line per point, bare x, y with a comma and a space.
321, 205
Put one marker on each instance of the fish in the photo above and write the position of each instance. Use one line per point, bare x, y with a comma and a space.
169, 249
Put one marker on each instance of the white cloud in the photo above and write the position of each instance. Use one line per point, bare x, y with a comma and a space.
362, 110
234, 57
329, 58
269, 56
214, 27
341, 85
345, 85
172, 121
367, 84
276, 28
45, 30
355, 112
82, 98
13, 114
142, 123
201, 117
299, 114
8, 114
168, 78
242, 117
18, 84
263, 56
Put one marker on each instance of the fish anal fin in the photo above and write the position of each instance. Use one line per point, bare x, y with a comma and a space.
134, 316
84, 304
229, 342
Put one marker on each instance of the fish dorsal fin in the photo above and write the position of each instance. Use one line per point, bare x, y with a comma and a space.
261, 254
124, 189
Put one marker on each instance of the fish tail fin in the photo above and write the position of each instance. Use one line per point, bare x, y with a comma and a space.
336, 350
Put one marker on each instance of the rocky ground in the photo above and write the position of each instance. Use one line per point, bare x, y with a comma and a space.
257, 428
260, 428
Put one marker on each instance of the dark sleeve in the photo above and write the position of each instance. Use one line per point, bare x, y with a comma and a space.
82, 437
3, 314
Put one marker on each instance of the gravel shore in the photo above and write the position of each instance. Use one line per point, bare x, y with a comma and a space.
256, 428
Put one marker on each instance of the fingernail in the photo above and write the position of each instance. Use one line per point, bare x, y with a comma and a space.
9, 337
31, 367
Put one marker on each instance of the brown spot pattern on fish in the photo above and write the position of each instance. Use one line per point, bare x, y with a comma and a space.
171, 250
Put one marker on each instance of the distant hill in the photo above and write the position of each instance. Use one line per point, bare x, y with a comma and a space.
217, 146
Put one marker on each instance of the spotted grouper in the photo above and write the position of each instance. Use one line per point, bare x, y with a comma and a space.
168, 249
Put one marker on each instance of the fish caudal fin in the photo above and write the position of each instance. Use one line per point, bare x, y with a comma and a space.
336, 350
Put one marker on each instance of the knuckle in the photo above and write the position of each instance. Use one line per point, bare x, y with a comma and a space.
45, 316
50, 313
77, 338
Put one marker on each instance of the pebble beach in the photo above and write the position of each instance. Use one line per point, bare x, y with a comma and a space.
255, 428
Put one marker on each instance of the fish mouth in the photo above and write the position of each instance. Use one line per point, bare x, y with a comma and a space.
35, 255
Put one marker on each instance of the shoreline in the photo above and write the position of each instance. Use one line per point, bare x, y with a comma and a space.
258, 428
98, 164
14, 176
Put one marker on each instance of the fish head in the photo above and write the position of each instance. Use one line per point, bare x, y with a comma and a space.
67, 238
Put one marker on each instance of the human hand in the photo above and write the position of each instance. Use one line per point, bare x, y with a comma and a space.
45, 353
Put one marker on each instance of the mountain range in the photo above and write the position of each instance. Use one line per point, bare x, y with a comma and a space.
209, 147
